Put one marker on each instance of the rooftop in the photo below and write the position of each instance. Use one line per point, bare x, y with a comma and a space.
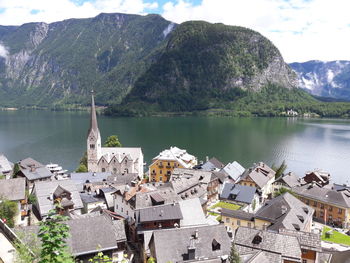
260, 173
239, 193
176, 154
13, 189
208, 242
159, 213
5, 165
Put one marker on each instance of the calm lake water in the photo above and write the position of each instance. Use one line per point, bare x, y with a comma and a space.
305, 144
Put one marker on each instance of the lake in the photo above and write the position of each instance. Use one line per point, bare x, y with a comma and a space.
305, 144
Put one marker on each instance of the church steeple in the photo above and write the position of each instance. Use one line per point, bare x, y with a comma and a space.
93, 119
93, 140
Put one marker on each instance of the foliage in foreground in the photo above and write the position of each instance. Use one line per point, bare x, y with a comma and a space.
280, 169
234, 256
8, 211
53, 233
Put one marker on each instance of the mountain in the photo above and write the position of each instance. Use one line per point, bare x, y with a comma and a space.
60, 63
206, 65
325, 79
143, 64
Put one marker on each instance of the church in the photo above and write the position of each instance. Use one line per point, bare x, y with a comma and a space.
117, 160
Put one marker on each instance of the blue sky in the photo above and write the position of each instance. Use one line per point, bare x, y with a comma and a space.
301, 29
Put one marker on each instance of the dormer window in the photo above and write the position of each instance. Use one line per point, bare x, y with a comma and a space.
215, 245
257, 239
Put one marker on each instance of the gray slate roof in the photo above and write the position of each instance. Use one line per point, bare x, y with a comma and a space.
239, 193
159, 213
89, 198
252, 255
192, 213
36, 174
212, 164
307, 240
287, 246
234, 170
13, 189
29, 162
45, 190
179, 240
237, 214
259, 173
123, 178
143, 200
90, 234
286, 211
290, 179
326, 195
5, 165
81, 178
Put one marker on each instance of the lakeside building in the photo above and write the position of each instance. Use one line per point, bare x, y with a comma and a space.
5, 166
116, 160
331, 203
259, 176
166, 161
282, 212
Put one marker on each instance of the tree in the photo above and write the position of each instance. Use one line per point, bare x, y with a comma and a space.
81, 168
16, 169
280, 170
112, 141
234, 256
53, 233
28, 252
8, 211
100, 257
283, 190
151, 260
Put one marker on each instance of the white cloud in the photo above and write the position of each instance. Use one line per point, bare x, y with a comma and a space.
301, 29
17, 12
3, 51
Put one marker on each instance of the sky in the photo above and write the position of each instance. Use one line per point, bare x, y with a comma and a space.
301, 29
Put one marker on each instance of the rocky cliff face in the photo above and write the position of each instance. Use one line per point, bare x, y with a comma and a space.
325, 79
60, 63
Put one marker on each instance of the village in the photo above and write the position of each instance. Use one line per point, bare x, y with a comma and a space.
179, 210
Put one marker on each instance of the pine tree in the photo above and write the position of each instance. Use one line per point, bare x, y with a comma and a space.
234, 256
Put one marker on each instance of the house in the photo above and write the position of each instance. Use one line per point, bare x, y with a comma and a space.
81, 179
318, 176
310, 244
90, 202
331, 203
282, 212
212, 164
205, 178
15, 190
5, 166
33, 171
233, 170
116, 160
245, 196
91, 234
259, 176
254, 245
287, 181
166, 161
47, 192
192, 244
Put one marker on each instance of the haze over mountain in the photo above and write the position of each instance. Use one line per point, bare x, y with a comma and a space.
138, 60
325, 79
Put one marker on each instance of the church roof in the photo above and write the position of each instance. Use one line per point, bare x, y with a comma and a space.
120, 153
93, 118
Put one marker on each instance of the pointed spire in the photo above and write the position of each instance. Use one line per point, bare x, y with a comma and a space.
93, 118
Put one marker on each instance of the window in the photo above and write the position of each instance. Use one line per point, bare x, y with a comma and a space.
315, 203
227, 220
340, 211
249, 225
122, 209
304, 261
321, 214
92, 146
160, 171
215, 245
103, 170
160, 178
250, 184
322, 206
330, 208
127, 213
307, 202
238, 222
114, 169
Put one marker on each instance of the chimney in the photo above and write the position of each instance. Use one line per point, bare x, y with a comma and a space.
196, 234
191, 250
206, 158
32, 168
283, 209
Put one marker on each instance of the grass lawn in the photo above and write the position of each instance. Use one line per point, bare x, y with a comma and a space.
336, 237
225, 205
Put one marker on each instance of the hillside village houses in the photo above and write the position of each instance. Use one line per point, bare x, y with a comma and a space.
183, 211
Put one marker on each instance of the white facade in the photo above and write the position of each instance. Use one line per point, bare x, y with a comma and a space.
116, 160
